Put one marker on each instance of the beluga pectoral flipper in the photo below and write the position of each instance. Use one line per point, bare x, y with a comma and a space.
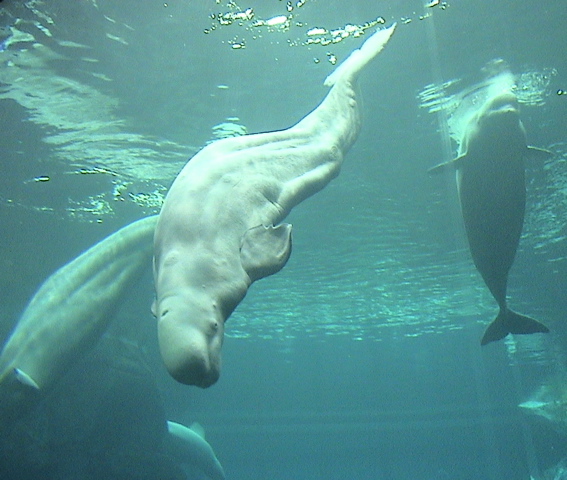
490, 172
220, 227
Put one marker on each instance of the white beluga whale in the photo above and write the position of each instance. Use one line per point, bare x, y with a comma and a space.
490, 173
220, 227
549, 402
68, 314
189, 447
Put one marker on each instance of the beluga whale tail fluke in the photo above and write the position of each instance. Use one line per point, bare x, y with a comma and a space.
358, 59
509, 321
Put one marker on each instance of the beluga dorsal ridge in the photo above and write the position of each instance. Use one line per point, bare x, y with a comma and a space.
491, 182
220, 227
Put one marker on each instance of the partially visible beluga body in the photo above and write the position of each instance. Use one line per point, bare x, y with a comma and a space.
490, 172
220, 227
67, 316
549, 401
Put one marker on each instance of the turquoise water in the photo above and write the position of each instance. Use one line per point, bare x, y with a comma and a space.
361, 358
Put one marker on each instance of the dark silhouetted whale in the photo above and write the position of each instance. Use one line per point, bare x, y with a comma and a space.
490, 171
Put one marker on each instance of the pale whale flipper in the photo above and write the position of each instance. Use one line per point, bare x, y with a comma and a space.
265, 250
67, 315
220, 226
491, 184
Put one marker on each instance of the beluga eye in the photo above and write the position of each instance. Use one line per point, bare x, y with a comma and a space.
165, 312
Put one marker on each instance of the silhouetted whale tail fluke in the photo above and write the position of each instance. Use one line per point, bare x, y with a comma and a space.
509, 321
